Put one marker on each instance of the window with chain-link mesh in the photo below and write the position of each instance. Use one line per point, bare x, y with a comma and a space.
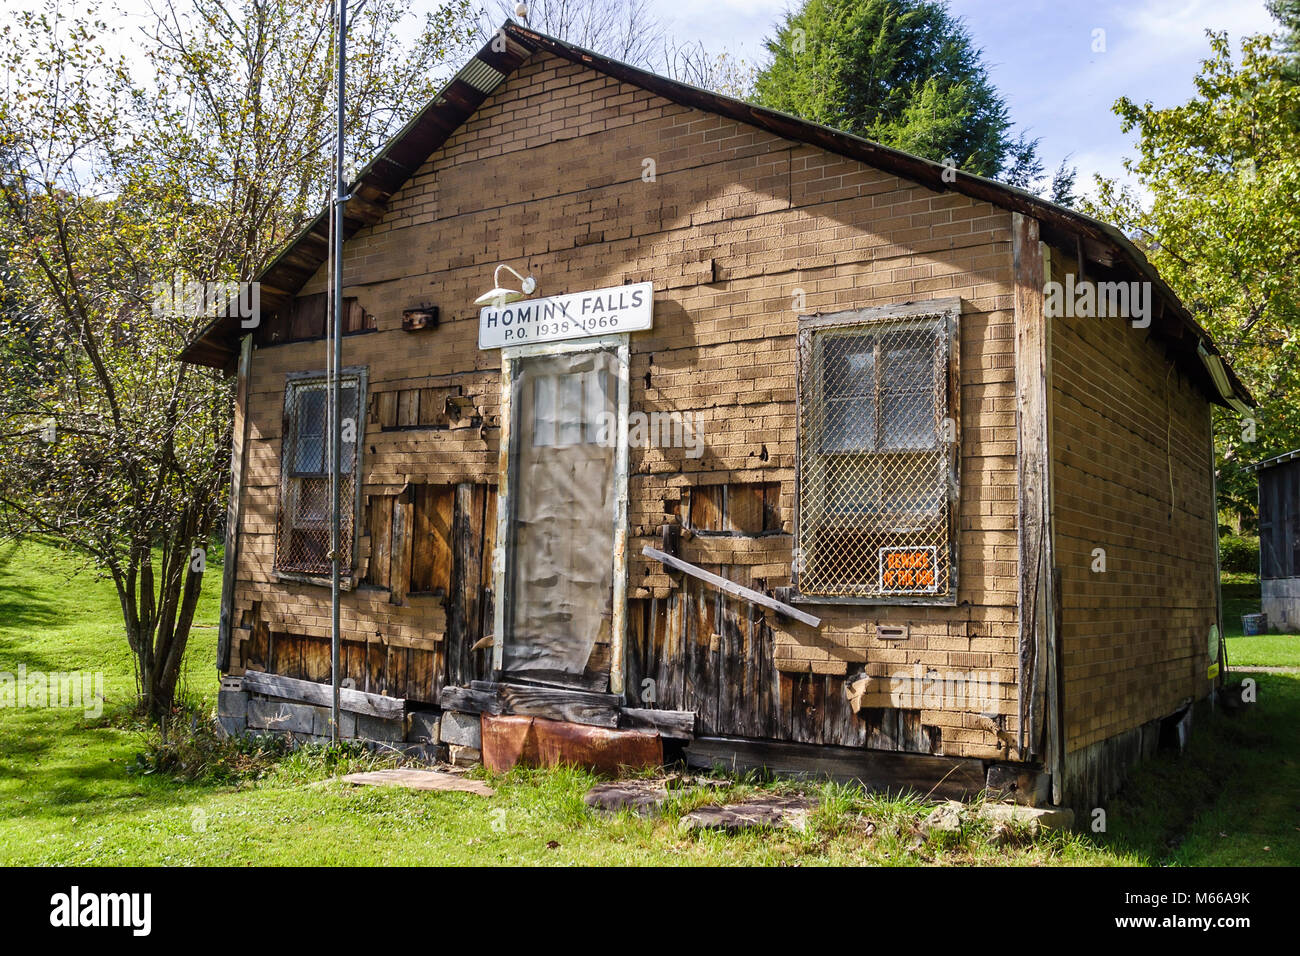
303, 526
876, 457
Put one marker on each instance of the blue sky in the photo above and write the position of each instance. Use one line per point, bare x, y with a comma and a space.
1039, 53
1040, 56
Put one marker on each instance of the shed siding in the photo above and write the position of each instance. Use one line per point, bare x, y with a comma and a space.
1131, 476
737, 225
1279, 544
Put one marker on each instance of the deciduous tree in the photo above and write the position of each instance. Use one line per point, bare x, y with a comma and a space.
117, 178
1214, 205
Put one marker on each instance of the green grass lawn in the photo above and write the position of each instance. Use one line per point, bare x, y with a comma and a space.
1241, 596
68, 793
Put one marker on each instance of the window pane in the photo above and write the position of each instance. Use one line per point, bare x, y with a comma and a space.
303, 525
848, 389
848, 365
849, 425
543, 411
309, 452
348, 410
313, 501
600, 418
569, 409
907, 420
908, 391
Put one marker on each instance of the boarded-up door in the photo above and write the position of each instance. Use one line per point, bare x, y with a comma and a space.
560, 547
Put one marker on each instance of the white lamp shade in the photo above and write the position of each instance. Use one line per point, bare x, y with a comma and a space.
499, 296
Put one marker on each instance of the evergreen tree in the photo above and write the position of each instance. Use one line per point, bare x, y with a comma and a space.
904, 73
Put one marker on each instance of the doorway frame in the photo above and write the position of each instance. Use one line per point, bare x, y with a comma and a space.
618, 613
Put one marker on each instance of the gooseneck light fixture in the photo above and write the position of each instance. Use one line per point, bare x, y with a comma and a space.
499, 296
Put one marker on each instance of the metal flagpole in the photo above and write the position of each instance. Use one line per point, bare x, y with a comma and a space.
336, 363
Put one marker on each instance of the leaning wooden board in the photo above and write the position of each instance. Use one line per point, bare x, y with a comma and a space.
731, 587
926, 775
358, 702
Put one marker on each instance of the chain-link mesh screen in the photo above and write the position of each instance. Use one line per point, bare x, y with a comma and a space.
303, 529
873, 460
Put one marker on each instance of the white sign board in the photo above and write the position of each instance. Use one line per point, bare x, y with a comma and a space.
624, 308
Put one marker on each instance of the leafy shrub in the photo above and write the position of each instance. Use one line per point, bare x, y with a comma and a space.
1239, 553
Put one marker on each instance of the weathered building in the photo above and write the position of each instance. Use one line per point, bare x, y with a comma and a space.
914, 513
1279, 540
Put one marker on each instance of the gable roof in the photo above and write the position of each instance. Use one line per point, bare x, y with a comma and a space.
217, 345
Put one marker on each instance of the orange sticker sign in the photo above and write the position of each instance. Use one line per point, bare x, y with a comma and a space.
909, 570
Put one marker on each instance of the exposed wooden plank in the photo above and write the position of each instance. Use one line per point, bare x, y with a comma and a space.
238, 442
356, 318
399, 659
634, 652
441, 507
1034, 611
426, 667
731, 587
356, 701
386, 404
285, 656
400, 579
433, 406
408, 407
943, 777
376, 671
706, 507
698, 655
772, 506
381, 539
316, 659
555, 703
745, 507
431, 551
466, 700
464, 589
308, 315
670, 723
353, 663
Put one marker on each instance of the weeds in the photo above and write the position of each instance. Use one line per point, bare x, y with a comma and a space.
190, 747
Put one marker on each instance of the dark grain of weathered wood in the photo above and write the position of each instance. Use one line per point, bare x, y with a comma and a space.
554, 703
670, 723
944, 777
1034, 604
400, 580
277, 685
731, 587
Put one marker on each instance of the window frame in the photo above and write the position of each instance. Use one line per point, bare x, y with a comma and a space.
945, 314
286, 493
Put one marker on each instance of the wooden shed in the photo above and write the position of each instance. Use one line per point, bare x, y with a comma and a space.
806, 454
1279, 540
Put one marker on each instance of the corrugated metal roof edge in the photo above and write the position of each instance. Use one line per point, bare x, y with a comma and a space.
1281, 459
